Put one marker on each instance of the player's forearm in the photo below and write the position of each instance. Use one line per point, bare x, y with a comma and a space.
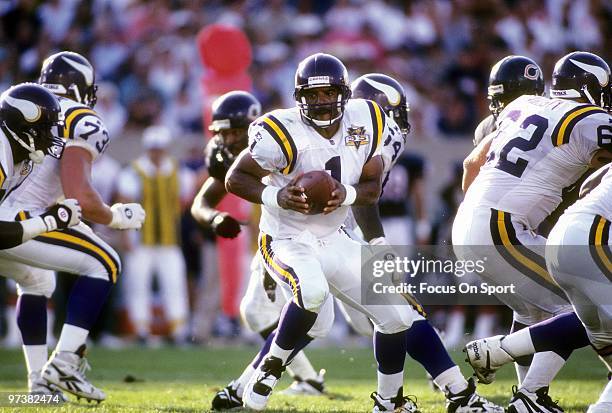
244, 185
368, 192
368, 220
94, 209
11, 233
208, 197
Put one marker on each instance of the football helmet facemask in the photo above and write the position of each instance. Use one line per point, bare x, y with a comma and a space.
232, 113
583, 75
70, 74
31, 115
388, 93
321, 71
511, 77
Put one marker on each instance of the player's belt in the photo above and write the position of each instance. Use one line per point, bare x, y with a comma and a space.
523, 259
276, 266
75, 240
599, 246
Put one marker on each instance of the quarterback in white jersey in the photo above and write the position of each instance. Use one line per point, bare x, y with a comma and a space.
28, 115
309, 253
541, 146
76, 250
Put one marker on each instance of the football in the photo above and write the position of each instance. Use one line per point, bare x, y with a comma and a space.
318, 187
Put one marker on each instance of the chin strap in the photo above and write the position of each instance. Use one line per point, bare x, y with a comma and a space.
588, 95
36, 155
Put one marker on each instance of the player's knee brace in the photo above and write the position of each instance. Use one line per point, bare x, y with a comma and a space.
397, 319
313, 297
41, 284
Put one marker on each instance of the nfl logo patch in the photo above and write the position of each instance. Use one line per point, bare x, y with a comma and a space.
356, 136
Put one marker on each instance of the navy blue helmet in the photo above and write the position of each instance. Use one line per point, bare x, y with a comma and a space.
511, 77
388, 93
583, 75
30, 115
316, 71
70, 74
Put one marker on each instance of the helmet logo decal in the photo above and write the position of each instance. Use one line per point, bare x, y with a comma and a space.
30, 111
532, 71
598, 72
390, 92
85, 70
318, 80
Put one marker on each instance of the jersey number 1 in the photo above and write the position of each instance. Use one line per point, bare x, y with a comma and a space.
518, 167
335, 168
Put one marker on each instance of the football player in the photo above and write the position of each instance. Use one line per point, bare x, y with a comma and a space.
28, 115
511, 77
310, 255
75, 250
232, 113
578, 257
541, 146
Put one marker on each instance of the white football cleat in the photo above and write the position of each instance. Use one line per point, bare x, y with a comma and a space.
38, 385
524, 401
397, 404
312, 387
67, 370
603, 407
468, 401
258, 390
486, 356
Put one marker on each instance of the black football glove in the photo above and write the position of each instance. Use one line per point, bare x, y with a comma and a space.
62, 215
225, 225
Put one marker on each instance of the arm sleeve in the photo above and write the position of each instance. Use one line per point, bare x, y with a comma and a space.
265, 150
11, 234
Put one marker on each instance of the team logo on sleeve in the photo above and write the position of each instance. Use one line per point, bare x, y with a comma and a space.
356, 136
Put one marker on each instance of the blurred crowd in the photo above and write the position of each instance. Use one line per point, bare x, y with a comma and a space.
149, 70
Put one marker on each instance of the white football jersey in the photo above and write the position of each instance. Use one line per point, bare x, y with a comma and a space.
82, 128
599, 200
11, 175
282, 143
541, 146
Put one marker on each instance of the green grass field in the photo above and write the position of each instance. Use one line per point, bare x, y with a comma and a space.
176, 380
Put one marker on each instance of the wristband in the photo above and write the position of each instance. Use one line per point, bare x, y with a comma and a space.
33, 227
269, 196
351, 195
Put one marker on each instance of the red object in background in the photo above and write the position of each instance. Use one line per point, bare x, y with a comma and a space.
224, 49
226, 55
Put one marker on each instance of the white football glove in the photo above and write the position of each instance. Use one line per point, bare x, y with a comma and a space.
127, 216
63, 215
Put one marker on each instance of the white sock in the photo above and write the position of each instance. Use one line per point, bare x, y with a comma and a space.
242, 381
300, 366
543, 370
71, 338
35, 357
521, 373
389, 384
281, 353
518, 344
451, 380
606, 394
